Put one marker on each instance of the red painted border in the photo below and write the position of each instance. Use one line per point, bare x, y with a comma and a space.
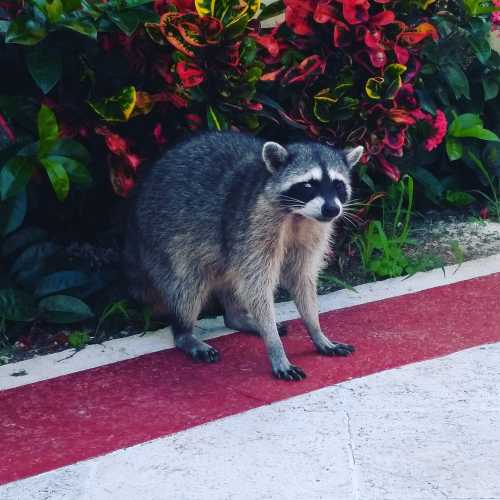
57, 422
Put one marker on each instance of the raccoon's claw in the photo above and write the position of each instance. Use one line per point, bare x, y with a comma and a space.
282, 329
335, 349
209, 355
291, 373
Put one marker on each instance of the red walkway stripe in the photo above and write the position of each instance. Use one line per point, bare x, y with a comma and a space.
60, 421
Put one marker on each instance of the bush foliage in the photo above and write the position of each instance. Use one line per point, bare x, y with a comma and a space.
96, 89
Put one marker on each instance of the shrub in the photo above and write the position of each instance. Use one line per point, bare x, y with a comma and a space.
97, 89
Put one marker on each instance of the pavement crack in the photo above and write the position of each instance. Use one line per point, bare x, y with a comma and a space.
352, 459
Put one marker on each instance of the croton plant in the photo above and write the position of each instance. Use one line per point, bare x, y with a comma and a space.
341, 71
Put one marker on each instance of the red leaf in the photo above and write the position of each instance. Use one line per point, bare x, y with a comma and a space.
190, 74
372, 38
394, 138
341, 35
272, 75
8, 131
355, 11
212, 29
377, 58
194, 122
269, 42
254, 106
484, 213
158, 135
133, 160
300, 72
324, 12
401, 116
382, 18
115, 143
121, 180
298, 20
389, 169
402, 54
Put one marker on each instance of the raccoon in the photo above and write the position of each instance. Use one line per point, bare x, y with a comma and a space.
231, 215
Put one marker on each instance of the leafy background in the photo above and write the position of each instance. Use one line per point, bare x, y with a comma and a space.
96, 90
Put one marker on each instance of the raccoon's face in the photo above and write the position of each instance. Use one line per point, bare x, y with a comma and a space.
310, 179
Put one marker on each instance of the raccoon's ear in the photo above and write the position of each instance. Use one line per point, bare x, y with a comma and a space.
352, 156
274, 156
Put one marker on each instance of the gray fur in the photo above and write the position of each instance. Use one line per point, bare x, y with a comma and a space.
207, 219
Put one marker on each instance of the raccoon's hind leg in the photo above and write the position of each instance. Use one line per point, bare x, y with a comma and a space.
237, 317
186, 306
299, 278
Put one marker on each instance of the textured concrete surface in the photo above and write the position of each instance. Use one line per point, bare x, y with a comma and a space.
427, 431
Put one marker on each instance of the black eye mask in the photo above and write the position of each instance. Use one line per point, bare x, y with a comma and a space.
303, 192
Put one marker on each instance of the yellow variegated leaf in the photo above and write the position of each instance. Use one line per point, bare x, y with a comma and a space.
117, 108
204, 7
373, 87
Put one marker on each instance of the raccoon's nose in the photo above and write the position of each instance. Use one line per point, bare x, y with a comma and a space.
329, 210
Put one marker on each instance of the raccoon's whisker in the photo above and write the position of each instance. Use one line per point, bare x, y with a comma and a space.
348, 219
353, 216
290, 199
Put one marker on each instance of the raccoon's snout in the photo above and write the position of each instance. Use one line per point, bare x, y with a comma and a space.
329, 210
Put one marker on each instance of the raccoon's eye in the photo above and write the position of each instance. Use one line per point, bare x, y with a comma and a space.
341, 190
307, 185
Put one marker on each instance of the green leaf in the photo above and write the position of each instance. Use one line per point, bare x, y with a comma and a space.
58, 177
31, 257
64, 309
136, 3
477, 132
79, 22
77, 172
216, 120
12, 213
4, 26
236, 27
117, 108
54, 10
15, 174
454, 149
392, 79
129, 20
16, 305
467, 120
25, 30
45, 66
457, 80
48, 130
248, 51
60, 281
78, 339
491, 157
490, 88
459, 198
433, 189
21, 239
71, 149
271, 10
481, 46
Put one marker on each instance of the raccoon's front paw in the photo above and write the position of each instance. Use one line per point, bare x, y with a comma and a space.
289, 372
330, 348
208, 355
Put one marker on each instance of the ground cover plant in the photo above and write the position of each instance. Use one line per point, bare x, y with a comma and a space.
96, 90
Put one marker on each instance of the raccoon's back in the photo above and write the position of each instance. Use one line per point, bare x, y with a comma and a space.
200, 191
